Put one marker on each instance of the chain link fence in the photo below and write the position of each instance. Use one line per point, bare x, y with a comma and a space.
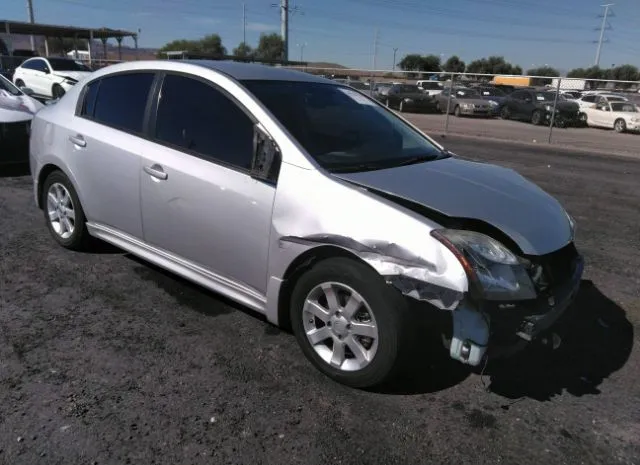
539, 109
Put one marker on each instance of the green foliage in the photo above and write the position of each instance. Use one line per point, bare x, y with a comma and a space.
270, 47
493, 65
416, 62
544, 71
209, 44
454, 65
243, 50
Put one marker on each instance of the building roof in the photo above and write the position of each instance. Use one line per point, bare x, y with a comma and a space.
50, 30
254, 71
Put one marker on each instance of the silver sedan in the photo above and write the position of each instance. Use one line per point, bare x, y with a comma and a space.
308, 202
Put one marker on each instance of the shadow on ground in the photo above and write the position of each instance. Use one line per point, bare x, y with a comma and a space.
187, 293
597, 340
12, 170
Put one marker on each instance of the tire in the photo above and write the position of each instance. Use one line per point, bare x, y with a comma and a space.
456, 111
20, 83
536, 118
620, 125
71, 234
561, 123
438, 109
505, 113
57, 91
401, 107
383, 306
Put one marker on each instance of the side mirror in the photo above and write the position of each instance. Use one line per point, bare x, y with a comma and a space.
47, 71
266, 156
27, 90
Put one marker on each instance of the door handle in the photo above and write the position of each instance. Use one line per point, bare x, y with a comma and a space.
78, 140
156, 171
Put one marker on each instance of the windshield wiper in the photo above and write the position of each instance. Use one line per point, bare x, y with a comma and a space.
420, 159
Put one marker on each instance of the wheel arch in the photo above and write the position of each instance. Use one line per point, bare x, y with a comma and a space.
45, 171
298, 267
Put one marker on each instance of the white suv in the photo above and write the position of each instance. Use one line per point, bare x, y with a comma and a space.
430, 87
50, 77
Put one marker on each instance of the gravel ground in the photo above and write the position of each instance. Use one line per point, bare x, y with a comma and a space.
105, 359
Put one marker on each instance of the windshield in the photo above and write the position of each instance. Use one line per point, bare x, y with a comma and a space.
547, 96
62, 64
407, 89
489, 91
466, 93
624, 106
615, 99
7, 86
340, 128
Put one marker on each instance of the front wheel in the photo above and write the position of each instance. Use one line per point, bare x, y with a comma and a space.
401, 107
20, 83
536, 118
457, 111
348, 322
505, 113
620, 125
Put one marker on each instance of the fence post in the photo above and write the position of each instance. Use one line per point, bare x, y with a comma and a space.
555, 104
446, 121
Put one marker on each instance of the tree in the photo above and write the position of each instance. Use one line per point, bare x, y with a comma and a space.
212, 44
454, 65
411, 62
270, 47
624, 73
493, 65
243, 50
544, 71
431, 63
180, 45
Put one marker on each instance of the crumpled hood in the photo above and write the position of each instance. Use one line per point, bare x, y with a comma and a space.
77, 75
462, 189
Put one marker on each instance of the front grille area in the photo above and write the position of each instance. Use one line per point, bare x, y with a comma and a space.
558, 266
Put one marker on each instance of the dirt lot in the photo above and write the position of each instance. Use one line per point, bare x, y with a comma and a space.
107, 360
590, 139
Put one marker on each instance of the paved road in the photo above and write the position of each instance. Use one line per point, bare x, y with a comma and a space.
104, 359
590, 139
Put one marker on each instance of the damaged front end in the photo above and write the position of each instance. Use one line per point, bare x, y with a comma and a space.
510, 300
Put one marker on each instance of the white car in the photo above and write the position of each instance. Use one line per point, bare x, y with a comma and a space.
16, 111
589, 100
430, 87
50, 77
621, 116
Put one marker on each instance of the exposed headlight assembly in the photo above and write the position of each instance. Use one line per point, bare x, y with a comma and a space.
494, 271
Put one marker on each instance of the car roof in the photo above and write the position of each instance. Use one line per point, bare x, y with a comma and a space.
254, 71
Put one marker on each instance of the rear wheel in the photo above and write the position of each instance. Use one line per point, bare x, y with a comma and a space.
57, 91
63, 213
438, 109
620, 125
505, 113
456, 111
536, 118
349, 322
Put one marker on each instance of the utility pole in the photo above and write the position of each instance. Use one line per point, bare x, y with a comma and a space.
31, 20
395, 50
602, 28
284, 15
375, 49
244, 23
302, 51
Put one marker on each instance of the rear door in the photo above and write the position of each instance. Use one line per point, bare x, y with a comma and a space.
517, 104
106, 141
199, 201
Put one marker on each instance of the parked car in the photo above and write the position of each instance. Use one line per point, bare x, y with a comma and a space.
16, 111
50, 77
407, 97
588, 100
494, 96
617, 115
307, 202
537, 107
464, 101
380, 88
430, 87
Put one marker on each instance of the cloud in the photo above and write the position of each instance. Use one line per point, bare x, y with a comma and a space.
261, 27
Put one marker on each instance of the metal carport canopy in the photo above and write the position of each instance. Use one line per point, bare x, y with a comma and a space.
50, 30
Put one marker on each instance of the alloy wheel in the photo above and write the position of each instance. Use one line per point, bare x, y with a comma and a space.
340, 326
61, 211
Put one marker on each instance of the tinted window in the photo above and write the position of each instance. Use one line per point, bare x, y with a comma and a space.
589, 98
520, 95
195, 116
122, 100
37, 65
89, 103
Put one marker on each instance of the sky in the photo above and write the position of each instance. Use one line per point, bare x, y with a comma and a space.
531, 33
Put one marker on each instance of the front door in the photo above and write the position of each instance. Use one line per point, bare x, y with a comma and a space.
198, 200
106, 140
